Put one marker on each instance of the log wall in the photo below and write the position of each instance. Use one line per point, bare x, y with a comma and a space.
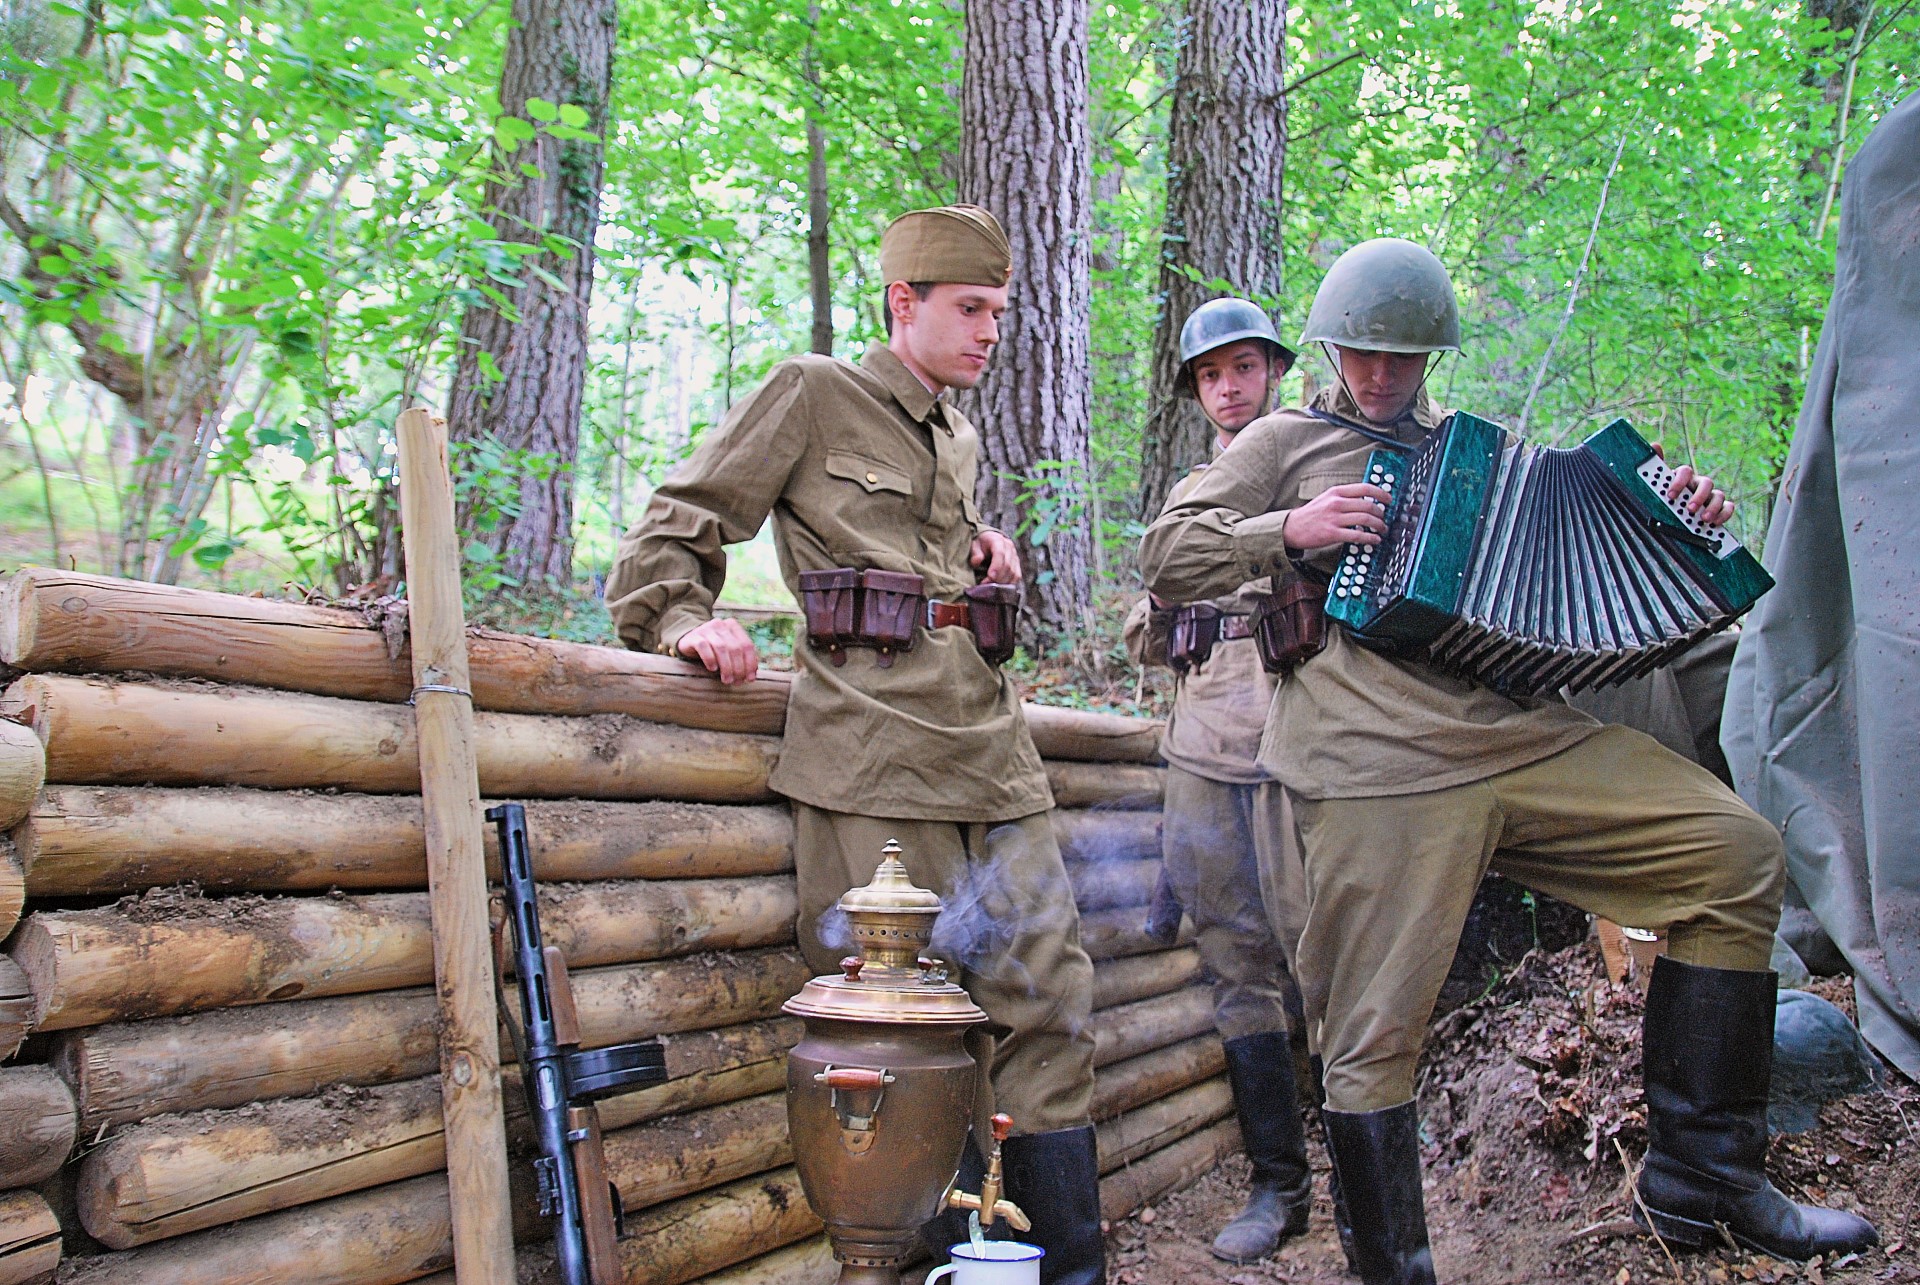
216, 986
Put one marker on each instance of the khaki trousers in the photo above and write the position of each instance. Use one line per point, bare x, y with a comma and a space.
1232, 861
1617, 825
1010, 926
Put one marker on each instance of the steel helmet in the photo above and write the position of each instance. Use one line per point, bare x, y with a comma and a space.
1220, 322
1386, 295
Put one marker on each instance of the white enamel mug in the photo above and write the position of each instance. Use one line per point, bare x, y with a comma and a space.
997, 1262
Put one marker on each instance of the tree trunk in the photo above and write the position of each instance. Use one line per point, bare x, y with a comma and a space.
819, 211
560, 51
1226, 148
1026, 155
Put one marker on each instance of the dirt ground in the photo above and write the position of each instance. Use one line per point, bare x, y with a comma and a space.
1531, 1116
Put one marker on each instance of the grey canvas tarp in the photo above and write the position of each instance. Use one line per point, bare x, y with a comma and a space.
1822, 724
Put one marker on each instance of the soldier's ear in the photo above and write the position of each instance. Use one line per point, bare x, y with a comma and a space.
901, 299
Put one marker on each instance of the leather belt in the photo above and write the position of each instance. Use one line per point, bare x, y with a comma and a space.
941, 615
1235, 626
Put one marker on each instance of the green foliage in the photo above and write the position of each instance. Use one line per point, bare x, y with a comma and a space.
268, 217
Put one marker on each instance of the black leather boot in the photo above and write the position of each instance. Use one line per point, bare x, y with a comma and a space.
1260, 1068
1376, 1157
1342, 1222
1055, 1179
1708, 1060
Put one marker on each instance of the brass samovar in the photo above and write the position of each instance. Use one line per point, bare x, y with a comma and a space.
880, 1091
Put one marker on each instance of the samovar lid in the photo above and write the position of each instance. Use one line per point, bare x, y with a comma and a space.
892, 889
888, 981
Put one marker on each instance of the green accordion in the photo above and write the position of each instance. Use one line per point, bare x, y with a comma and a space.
1529, 568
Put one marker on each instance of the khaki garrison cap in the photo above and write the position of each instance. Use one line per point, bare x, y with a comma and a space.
955, 243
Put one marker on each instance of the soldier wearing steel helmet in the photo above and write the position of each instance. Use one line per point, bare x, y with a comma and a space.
1407, 785
1225, 823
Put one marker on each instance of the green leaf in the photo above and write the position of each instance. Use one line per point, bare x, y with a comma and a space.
511, 131
573, 115
541, 109
55, 266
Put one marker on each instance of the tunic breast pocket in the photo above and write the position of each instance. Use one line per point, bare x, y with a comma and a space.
871, 476
1314, 483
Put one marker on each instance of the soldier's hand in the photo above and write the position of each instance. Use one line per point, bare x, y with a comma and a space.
724, 648
996, 557
1354, 513
1708, 502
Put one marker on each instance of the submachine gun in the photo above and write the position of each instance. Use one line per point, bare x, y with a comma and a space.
563, 1081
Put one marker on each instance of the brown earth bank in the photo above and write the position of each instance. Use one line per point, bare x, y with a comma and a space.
1531, 1119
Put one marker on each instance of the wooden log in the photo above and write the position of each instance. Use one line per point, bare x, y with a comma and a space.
1106, 885
13, 884
381, 1236
701, 1089
677, 1155
1095, 834
1110, 934
1121, 981
173, 952
463, 972
55, 620
684, 1240
632, 1001
100, 732
16, 1007
708, 1067
1075, 785
1090, 737
23, 770
131, 1070
38, 1124
1128, 1030
29, 1239
810, 1262
1134, 1134
1132, 1187
64, 621
1123, 1086
185, 1173
83, 840
182, 1173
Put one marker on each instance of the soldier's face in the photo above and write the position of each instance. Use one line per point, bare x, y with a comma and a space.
1232, 383
1383, 383
947, 337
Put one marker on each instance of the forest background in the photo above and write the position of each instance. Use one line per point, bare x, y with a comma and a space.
240, 235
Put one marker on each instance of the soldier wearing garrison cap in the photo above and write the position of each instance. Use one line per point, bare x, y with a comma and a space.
900, 724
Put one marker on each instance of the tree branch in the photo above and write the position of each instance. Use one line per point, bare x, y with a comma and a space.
1573, 293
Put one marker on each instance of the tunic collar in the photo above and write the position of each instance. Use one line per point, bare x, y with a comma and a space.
880, 362
1419, 420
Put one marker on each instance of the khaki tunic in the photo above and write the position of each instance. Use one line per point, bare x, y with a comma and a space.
1408, 786
1350, 723
859, 466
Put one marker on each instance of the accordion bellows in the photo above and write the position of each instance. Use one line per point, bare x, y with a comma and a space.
1528, 568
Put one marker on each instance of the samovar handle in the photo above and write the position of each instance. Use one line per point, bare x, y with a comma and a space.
856, 1127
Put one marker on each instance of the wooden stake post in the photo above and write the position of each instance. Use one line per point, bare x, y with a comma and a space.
456, 873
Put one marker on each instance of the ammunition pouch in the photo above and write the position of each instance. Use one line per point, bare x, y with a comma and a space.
1290, 624
993, 614
881, 610
890, 608
1196, 628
